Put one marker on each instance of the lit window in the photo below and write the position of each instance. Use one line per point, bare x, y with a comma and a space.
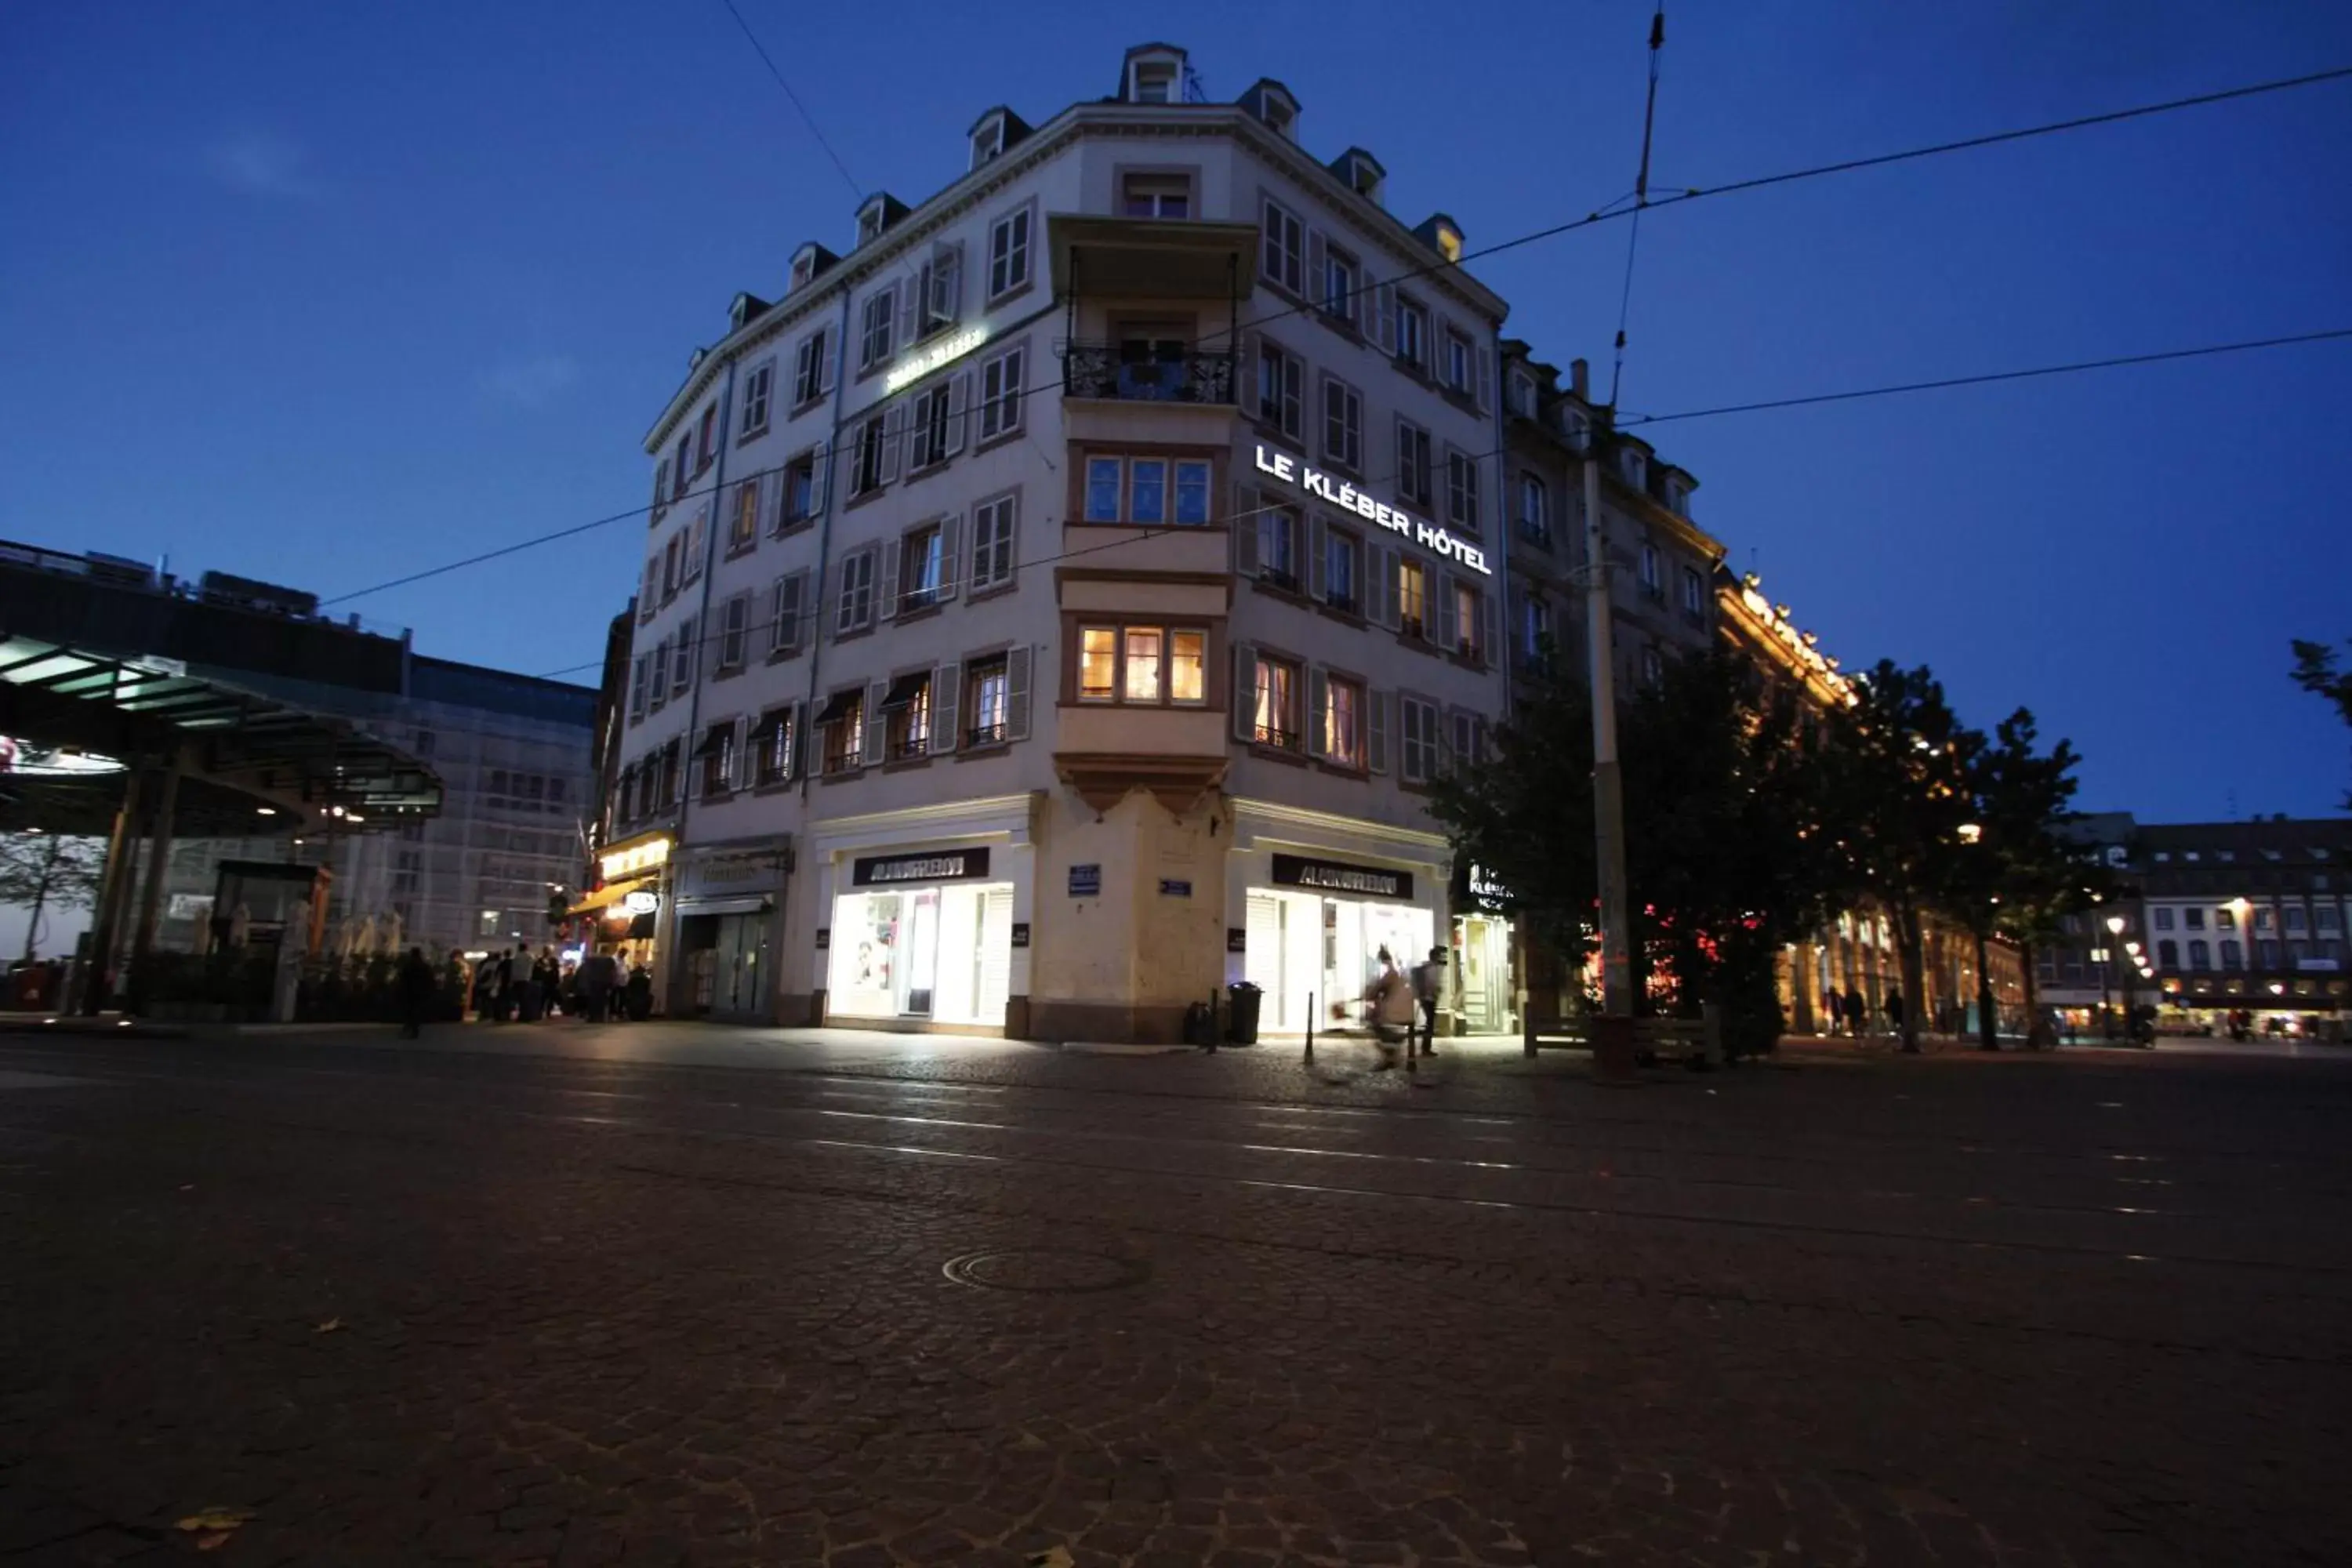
1142, 682
1343, 704
1098, 664
1187, 666
1275, 720
1412, 598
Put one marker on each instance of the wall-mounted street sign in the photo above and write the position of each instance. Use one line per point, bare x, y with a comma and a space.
1343, 494
1237, 939
1021, 933
1171, 888
1085, 881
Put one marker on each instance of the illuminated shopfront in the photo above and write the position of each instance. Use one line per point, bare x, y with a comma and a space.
926, 936
1481, 982
1317, 929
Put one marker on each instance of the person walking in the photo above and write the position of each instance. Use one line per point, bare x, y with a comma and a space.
1836, 1004
549, 975
1388, 1009
596, 985
1894, 1011
1428, 985
415, 994
1856, 1015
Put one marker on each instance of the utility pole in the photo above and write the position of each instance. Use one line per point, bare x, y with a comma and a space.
1612, 1032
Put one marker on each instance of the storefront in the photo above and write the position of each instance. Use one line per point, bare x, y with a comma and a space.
728, 899
1313, 933
1482, 980
924, 937
622, 915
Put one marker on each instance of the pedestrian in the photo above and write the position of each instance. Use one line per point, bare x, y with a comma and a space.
502, 986
415, 994
1837, 1011
1856, 1015
1894, 1011
549, 975
1428, 985
640, 993
485, 987
596, 985
1388, 1009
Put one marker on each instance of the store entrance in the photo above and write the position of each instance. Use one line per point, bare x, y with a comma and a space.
1482, 974
1300, 945
938, 953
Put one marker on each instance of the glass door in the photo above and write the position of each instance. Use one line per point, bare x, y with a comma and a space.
922, 954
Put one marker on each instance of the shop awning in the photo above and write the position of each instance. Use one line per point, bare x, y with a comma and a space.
840, 705
611, 894
905, 689
750, 904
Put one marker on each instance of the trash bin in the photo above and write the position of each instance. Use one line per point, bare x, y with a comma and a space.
1242, 1001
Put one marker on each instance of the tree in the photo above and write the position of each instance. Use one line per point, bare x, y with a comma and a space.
1725, 861
38, 870
1896, 776
2315, 671
2017, 856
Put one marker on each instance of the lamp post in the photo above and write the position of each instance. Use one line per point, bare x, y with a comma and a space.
2115, 936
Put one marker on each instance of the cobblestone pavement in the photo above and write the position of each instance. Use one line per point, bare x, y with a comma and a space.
662, 1294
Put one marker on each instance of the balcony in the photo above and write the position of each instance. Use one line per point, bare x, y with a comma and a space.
1178, 753
1137, 373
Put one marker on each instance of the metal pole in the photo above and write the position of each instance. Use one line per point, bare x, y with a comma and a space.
113, 887
1613, 1035
1310, 1026
158, 866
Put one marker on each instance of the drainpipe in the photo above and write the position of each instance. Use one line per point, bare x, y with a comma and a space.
666, 932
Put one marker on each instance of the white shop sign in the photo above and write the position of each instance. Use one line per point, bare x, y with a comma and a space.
1348, 498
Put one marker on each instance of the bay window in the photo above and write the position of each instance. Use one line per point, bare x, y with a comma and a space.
1142, 666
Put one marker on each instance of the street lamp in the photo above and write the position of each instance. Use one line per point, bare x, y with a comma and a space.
2116, 924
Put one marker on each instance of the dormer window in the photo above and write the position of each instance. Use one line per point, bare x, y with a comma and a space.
1275, 107
1155, 81
869, 223
1633, 467
803, 270
1362, 172
1279, 117
988, 141
1523, 394
1449, 242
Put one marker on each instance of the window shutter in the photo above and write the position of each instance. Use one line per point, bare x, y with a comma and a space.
1449, 623
1318, 535
653, 586
1319, 697
894, 427
958, 392
637, 685
792, 598
826, 357
876, 721
1376, 731
1246, 521
1383, 597
820, 479
1384, 309
1314, 279
661, 485
1486, 378
945, 692
695, 538
1487, 650
949, 276
1244, 691
743, 774
835, 603
950, 552
689, 653
909, 313
886, 601
1016, 694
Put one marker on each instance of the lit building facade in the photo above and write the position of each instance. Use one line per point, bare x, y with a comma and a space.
1056, 604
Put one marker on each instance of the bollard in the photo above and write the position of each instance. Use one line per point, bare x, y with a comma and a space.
1216, 1028
1310, 1026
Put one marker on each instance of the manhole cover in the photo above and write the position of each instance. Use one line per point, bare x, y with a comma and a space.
1046, 1269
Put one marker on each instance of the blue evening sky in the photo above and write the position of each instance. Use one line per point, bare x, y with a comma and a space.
324, 294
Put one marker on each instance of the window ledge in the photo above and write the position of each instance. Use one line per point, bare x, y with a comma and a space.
1345, 618
844, 776
800, 409
775, 786
1276, 754
992, 589
973, 754
754, 434
851, 504
1342, 770
792, 525
736, 551
726, 672
1287, 595
780, 656
923, 612
907, 763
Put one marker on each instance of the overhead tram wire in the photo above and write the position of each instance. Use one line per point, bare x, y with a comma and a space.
1635, 421
806, 118
1640, 199
1759, 183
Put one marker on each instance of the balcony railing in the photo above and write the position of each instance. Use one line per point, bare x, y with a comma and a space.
1116, 371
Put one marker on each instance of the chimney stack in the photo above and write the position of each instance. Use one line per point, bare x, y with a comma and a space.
1580, 378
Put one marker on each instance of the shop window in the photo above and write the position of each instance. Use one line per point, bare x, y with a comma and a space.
841, 729
906, 716
1412, 598
1275, 715
986, 701
1281, 390
777, 743
1412, 468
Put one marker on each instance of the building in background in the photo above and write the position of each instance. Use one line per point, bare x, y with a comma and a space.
2218, 918
1057, 601
511, 752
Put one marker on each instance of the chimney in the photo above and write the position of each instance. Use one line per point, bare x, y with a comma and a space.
1580, 380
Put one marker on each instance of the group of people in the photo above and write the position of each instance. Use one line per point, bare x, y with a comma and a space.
512, 985
1850, 1012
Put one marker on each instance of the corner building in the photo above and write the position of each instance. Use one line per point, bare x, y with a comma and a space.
1056, 606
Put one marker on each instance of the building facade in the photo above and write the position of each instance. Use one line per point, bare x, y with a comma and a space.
511, 750
1056, 604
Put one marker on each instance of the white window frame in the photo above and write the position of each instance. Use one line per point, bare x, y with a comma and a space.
877, 325
1282, 249
1009, 240
1417, 747
853, 608
1462, 490
1290, 415
1412, 346
1000, 400
1343, 424
810, 364
995, 536
759, 394
1461, 362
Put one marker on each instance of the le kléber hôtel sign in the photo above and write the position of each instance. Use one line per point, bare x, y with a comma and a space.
1303, 475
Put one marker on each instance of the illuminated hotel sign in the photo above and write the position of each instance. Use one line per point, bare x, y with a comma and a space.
1348, 498
948, 349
